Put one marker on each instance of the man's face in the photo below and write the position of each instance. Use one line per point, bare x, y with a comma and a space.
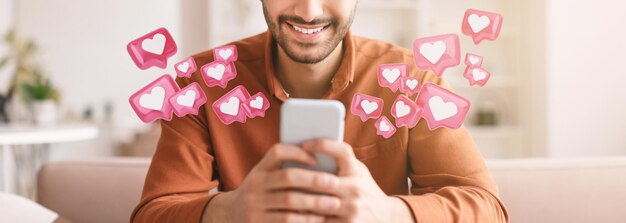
309, 30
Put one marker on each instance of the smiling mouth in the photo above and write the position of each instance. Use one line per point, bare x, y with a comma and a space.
307, 31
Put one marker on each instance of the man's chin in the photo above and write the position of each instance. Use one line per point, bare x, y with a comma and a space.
306, 59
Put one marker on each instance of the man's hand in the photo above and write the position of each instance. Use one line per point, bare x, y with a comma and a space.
272, 194
362, 200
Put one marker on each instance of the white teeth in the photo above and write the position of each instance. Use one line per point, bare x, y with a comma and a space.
307, 31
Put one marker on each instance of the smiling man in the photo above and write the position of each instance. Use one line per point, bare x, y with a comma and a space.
206, 171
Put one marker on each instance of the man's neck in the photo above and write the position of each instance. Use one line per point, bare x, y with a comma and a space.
307, 80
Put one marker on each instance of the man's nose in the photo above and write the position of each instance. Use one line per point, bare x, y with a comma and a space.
309, 9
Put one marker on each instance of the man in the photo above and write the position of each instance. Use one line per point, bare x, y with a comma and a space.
309, 52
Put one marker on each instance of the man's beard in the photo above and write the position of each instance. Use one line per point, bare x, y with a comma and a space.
320, 50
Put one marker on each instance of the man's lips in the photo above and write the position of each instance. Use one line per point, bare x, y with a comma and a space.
308, 26
306, 35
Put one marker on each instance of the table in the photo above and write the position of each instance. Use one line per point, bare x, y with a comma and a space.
25, 147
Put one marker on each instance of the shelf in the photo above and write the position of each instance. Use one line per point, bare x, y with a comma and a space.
388, 4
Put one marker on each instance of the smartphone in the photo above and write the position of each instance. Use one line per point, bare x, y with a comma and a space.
307, 119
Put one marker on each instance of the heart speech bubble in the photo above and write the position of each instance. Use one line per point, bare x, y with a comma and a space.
152, 49
437, 53
481, 25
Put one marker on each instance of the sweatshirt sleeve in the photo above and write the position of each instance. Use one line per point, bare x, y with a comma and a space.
181, 175
450, 181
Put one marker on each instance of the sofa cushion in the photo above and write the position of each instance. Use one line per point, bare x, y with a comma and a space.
562, 190
93, 190
533, 190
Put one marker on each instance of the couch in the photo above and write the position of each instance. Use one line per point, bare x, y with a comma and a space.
534, 190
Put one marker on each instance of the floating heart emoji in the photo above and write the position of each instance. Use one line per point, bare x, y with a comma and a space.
154, 100
257, 102
442, 110
154, 45
391, 75
231, 107
478, 75
402, 109
412, 84
369, 106
225, 53
187, 99
478, 23
184, 67
433, 52
216, 72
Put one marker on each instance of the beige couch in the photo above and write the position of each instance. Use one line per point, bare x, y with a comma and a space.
534, 190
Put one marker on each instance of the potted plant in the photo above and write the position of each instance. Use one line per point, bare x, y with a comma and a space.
43, 98
27, 82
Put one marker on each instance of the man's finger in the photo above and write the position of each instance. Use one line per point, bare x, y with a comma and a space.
301, 202
282, 216
280, 153
342, 152
301, 179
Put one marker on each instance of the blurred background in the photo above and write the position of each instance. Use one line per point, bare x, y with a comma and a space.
556, 88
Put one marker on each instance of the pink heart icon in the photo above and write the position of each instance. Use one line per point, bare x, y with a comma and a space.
442, 107
473, 60
188, 100
218, 74
150, 103
152, 49
389, 75
226, 54
477, 76
366, 107
186, 67
256, 105
437, 53
406, 112
229, 109
384, 127
410, 85
481, 25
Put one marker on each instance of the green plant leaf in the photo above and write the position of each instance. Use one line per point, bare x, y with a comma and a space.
4, 62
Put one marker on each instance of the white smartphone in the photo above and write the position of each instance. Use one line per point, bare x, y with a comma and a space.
306, 119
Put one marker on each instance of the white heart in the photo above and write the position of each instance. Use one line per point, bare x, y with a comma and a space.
433, 52
369, 106
441, 110
231, 107
216, 72
257, 102
391, 75
402, 109
412, 84
473, 60
154, 100
478, 23
384, 127
183, 67
478, 75
188, 99
155, 45
225, 54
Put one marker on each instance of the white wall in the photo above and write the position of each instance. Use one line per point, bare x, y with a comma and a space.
83, 47
586, 82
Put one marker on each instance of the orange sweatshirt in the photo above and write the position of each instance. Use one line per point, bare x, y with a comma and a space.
197, 153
